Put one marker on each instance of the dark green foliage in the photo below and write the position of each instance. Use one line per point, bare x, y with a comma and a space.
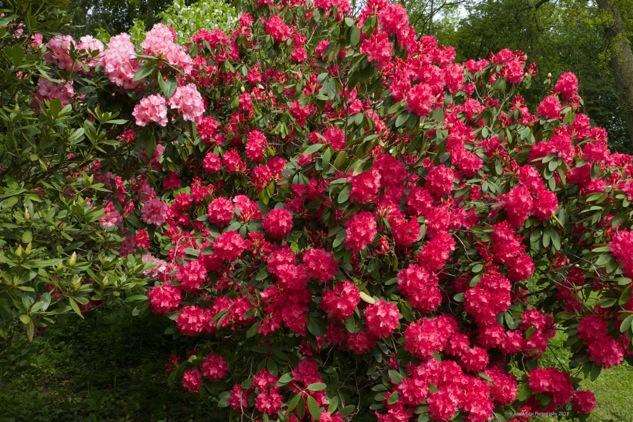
558, 35
115, 16
109, 366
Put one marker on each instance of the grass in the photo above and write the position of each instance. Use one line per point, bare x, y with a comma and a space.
110, 366
614, 394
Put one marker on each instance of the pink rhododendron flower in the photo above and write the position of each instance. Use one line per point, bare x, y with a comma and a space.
119, 61
151, 109
188, 101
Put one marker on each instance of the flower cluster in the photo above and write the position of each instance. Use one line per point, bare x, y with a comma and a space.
603, 349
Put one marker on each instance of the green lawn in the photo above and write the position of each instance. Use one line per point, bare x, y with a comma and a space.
614, 393
72, 374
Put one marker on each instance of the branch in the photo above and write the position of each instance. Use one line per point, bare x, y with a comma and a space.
540, 3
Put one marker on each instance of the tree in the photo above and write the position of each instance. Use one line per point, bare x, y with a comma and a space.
621, 56
557, 35
426, 15
115, 16
55, 256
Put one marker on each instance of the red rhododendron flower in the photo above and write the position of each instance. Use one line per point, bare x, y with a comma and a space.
382, 318
320, 264
360, 231
340, 302
277, 223
164, 298
220, 211
214, 367
192, 380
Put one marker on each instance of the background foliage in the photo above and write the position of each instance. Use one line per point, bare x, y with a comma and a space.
557, 35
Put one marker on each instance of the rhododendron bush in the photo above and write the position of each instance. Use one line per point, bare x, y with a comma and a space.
347, 223
55, 257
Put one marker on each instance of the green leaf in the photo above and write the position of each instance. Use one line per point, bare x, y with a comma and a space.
338, 240
402, 119
74, 306
315, 328
294, 401
312, 149
623, 281
223, 399
393, 398
332, 404
313, 408
167, 87
555, 239
136, 298
626, 324
143, 72
76, 136
284, 379
317, 386
394, 376
356, 119
343, 195
354, 36
328, 90
523, 392
348, 410
485, 376
367, 298
252, 331
509, 319
546, 239
117, 121
351, 325
4, 21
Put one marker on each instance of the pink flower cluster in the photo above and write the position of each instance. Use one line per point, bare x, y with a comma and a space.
188, 101
529, 197
160, 41
47, 90
604, 350
152, 108
119, 61
621, 246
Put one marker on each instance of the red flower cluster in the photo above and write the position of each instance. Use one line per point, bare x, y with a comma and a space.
529, 197
621, 247
603, 349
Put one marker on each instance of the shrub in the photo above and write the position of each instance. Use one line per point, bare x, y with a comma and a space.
353, 223
55, 256
186, 20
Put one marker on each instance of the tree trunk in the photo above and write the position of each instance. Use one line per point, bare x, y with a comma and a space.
621, 59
